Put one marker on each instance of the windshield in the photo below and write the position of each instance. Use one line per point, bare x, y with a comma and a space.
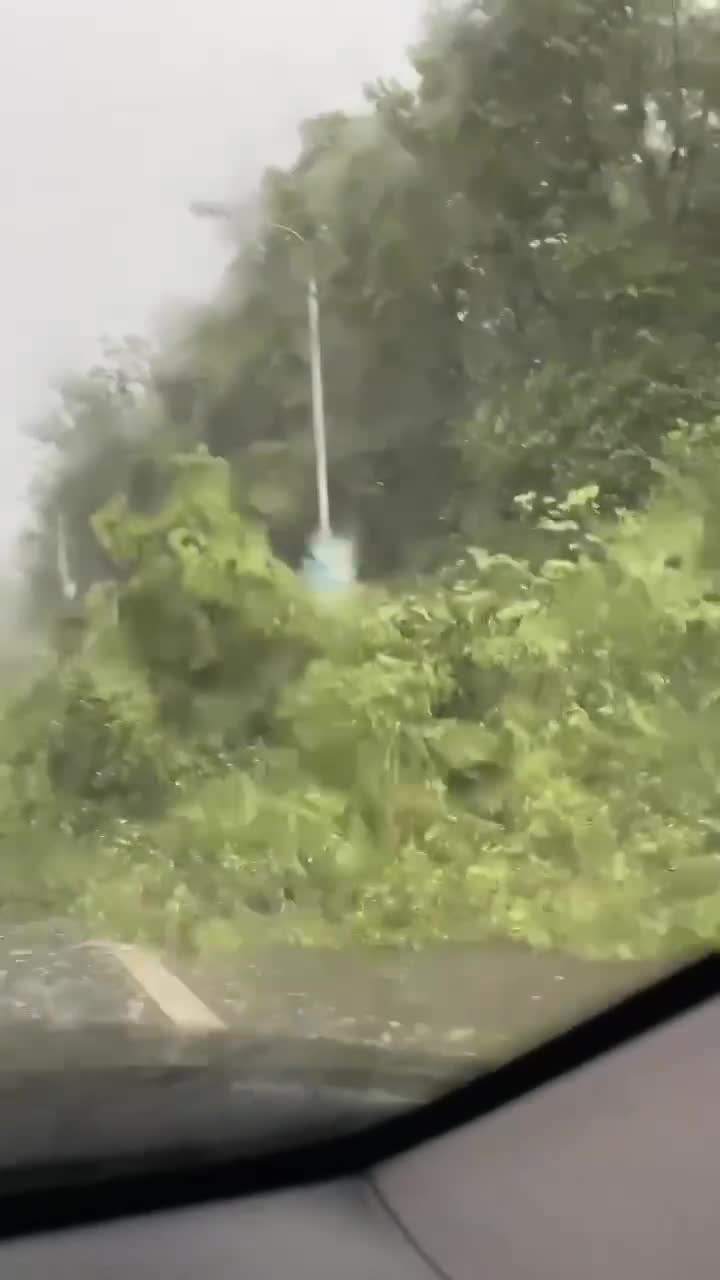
359, 655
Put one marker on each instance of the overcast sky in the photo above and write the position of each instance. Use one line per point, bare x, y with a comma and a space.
113, 115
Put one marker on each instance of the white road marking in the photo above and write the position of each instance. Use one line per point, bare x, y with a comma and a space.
177, 1002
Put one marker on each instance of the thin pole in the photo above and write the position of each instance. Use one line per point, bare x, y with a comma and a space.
318, 408
67, 585
211, 209
318, 394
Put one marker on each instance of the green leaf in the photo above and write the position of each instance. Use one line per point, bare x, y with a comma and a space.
461, 744
696, 875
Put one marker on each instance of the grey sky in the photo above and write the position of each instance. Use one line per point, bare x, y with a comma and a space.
113, 115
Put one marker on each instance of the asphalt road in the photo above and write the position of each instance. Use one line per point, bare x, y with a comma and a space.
48, 976
475, 1001
483, 1001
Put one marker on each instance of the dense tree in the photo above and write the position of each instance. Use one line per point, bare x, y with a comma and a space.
105, 434
519, 266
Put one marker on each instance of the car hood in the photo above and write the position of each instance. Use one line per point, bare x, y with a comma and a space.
117, 1093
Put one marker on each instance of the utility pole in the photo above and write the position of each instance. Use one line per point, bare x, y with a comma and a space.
332, 559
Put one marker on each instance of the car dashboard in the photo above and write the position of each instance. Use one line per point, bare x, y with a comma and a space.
595, 1156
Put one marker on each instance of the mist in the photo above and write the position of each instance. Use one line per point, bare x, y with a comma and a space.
113, 119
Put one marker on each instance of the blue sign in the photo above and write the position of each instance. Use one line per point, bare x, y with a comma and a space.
331, 564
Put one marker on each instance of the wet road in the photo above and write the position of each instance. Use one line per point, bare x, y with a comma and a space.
48, 975
475, 1001
484, 1001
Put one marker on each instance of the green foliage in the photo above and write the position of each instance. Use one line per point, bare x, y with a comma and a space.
508, 750
514, 730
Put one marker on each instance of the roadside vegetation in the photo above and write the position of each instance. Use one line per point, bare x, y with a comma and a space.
511, 727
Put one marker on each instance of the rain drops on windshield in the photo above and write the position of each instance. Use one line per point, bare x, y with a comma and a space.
360, 656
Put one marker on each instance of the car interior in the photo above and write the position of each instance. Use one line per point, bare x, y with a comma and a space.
592, 1155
